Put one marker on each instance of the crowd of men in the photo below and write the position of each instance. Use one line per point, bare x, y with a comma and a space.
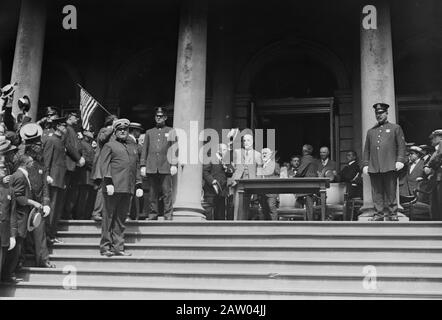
53, 169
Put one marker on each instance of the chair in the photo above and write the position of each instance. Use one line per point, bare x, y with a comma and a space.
413, 208
336, 202
287, 209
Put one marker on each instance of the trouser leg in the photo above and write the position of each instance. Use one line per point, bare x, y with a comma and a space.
40, 244
153, 195
271, 202
80, 206
99, 204
109, 207
12, 258
166, 188
377, 192
90, 202
210, 209
436, 202
220, 208
309, 207
117, 227
57, 199
390, 190
71, 195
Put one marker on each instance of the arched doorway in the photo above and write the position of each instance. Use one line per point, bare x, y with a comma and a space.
292, 84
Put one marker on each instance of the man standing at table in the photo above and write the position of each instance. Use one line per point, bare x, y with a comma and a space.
384, 155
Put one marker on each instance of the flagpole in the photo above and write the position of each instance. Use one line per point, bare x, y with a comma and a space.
98, 103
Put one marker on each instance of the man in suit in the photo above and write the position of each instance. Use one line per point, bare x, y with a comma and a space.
414, 172
215, 175
384, 155
295, 162
156, 166
246, 160
326, 166
267, 170
351, 175
21, 186
121, 179
308, 168
433, 170
74, 158
36, 241
54, 157
8, 217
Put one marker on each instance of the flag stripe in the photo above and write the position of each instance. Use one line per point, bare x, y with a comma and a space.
87, 106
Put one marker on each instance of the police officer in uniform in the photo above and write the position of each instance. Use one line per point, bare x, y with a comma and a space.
121, 179
156, 167
54, 156
384, 155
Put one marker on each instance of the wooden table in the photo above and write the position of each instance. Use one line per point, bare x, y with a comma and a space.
247, 187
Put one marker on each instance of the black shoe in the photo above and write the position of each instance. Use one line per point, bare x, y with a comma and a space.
377, 217
97, 218
55, 241
107, 253
11, 280
122, 253
47, 264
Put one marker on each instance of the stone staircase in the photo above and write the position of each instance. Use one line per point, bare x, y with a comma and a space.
244, 260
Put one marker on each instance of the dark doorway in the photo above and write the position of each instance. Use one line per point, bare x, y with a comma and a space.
295, 130
418, 124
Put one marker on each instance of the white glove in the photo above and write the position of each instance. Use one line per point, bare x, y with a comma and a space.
49, 180
46, 211
173, 170
6, 179
110, 189
399, 166
139, 193
143, 171
81, 162
365, 170
427, 170
11, 243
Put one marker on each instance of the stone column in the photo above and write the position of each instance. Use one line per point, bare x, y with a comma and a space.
189, 106
377, 80
28, 56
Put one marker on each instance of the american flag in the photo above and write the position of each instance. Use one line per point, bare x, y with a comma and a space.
87, 106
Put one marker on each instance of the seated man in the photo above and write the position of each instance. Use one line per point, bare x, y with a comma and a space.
326, 166
268, 169
351, 175
414, 172
308, 168
295, 162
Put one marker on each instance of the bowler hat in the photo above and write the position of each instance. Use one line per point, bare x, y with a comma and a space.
380, 107
121, 123
437, 132
30, 131
7, 91
426, 148
50, 111
34, 219
6, 146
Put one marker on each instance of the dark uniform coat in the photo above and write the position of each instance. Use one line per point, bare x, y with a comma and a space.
55, 160
84, 173
384, 146
22, 192
8, 216
155, 148
73, 148
121, 166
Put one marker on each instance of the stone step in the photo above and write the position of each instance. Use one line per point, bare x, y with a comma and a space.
256, 264
144, 292
269, 251
274, 227
373, 239
234, 280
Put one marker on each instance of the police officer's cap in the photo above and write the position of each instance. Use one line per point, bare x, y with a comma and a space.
50, 111
380, 107
136, 125
160, 111
121, 123
437, 132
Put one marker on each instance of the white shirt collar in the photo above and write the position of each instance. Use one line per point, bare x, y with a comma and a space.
324, 162
351, 162
25, 172
437, 148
